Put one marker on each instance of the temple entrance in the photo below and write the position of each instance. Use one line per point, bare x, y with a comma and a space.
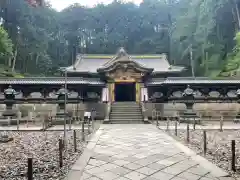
125, 92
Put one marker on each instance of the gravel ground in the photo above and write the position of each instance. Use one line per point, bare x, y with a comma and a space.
218, 146
43, 148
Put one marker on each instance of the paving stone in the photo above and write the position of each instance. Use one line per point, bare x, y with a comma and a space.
121, 162
89, 166
140, 156
108, 166
146, 170
95, 170
120, 156
93, 178
166, 162
178, 178
107, 159
209, 175
120, 171
162, 176
85, 176
189, 176
121, 178
95, 162
198, 170
156, 166
131, 159
150, 178
146, 161
132, 166
172, 170
206, 178
107, 175
135, 175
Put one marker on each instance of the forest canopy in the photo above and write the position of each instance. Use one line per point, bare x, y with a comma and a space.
201, 35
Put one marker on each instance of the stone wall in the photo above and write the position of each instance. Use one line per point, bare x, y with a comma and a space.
203, 109
52, 108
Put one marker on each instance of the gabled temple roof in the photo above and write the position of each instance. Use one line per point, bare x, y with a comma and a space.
51, 81
188, 80
91, 63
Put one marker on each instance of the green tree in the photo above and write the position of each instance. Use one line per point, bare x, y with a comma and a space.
6, 46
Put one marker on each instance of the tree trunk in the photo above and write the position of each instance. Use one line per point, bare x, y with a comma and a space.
206, 65
37, 58
237, 13
192, 62
9, 63
14, 60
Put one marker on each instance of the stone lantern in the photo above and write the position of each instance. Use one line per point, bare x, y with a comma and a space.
9, 99
188, 95
237, 119
62, 100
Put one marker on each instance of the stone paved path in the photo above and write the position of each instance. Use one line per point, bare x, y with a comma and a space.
136, 152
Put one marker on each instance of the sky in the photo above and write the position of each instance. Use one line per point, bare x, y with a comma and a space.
61, 4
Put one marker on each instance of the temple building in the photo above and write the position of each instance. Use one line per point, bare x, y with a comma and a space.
124, 75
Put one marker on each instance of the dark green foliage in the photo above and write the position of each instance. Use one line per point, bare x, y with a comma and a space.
45, 40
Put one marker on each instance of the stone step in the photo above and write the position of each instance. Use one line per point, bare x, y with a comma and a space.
125, 107
129, 109
126, 122
126, 114
126, 118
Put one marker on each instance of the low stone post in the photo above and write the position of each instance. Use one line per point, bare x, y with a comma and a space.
204, 142
75, 140
233, 161
30, 169
83, 131
221, 123
60, 143
19, 117
188, 133
176, 128
168, 123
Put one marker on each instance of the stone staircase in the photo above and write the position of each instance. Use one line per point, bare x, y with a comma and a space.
126, 113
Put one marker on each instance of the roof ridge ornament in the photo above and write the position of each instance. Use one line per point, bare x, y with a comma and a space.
121, 52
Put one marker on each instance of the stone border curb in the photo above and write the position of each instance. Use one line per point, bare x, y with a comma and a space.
78, 167
214, 170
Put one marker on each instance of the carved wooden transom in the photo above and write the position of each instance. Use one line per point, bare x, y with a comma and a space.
125, 73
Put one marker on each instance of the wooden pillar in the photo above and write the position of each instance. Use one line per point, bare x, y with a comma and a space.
138, 92
111, 87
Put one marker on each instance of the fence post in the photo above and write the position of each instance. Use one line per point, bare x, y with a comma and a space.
188, 133
60, 142
221, 124
70, 123
75, 140
233, 156
194, 123
30, 169
89, 125
19, 116
83, 133
167, 123
92, 118
175, 128
204, 142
